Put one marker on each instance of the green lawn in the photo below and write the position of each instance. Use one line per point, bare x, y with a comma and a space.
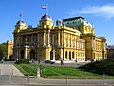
59, 72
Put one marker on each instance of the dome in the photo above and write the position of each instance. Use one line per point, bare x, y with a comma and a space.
85, 23
46, 17
59, 22
88, 24
21, 22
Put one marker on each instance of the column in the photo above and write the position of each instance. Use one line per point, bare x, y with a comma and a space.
70, 40
17, 41
62, 38
25, 52
32, 40
17, 54
44, 39
58, 38
53, 39
38, 39
48, 38
54, 54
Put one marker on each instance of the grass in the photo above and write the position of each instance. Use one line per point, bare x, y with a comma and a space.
59, 72
1, 62
27, 69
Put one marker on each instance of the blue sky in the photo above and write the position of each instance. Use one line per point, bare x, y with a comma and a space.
98, 12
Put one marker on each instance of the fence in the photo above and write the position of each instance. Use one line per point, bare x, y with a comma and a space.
27, 80
12, 79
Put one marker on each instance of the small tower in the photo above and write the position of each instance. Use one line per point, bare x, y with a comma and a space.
46, 20
9, 51
20, 25
59, 22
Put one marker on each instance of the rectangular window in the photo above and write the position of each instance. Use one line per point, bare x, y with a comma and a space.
72, 55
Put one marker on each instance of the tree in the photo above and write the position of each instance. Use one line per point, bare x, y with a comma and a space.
2, 50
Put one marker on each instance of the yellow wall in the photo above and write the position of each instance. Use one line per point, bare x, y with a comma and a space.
69, 43
9, 52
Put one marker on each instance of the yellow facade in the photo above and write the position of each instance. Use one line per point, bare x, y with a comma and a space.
9, 49
49, 42
95, 47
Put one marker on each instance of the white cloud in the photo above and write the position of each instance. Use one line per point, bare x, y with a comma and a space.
106, 11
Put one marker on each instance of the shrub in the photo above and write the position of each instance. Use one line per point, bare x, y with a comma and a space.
100, 67
22, 61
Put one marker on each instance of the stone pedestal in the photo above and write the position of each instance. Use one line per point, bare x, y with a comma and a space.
38, 72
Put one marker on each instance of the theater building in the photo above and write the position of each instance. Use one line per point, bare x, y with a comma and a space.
71, 39
9, 49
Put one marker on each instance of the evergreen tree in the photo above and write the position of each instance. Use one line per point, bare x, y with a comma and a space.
2, 50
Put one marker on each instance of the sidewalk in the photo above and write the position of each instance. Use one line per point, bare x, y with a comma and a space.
9, 69
26, 81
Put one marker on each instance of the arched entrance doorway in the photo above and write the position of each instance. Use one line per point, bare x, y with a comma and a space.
52, 54
22, 54
32, 54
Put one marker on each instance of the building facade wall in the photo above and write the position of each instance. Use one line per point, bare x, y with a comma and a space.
9, 48
49, 42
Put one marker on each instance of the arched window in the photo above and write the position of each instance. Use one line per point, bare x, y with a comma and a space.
66, 54
32, 54
22, 54
69, 55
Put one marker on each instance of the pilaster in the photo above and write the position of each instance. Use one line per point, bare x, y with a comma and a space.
48, 37
58, 38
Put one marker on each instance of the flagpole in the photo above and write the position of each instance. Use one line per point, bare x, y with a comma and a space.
46, 11
20, 15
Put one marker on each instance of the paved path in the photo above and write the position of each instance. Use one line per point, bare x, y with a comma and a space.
9, 69
18, 81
